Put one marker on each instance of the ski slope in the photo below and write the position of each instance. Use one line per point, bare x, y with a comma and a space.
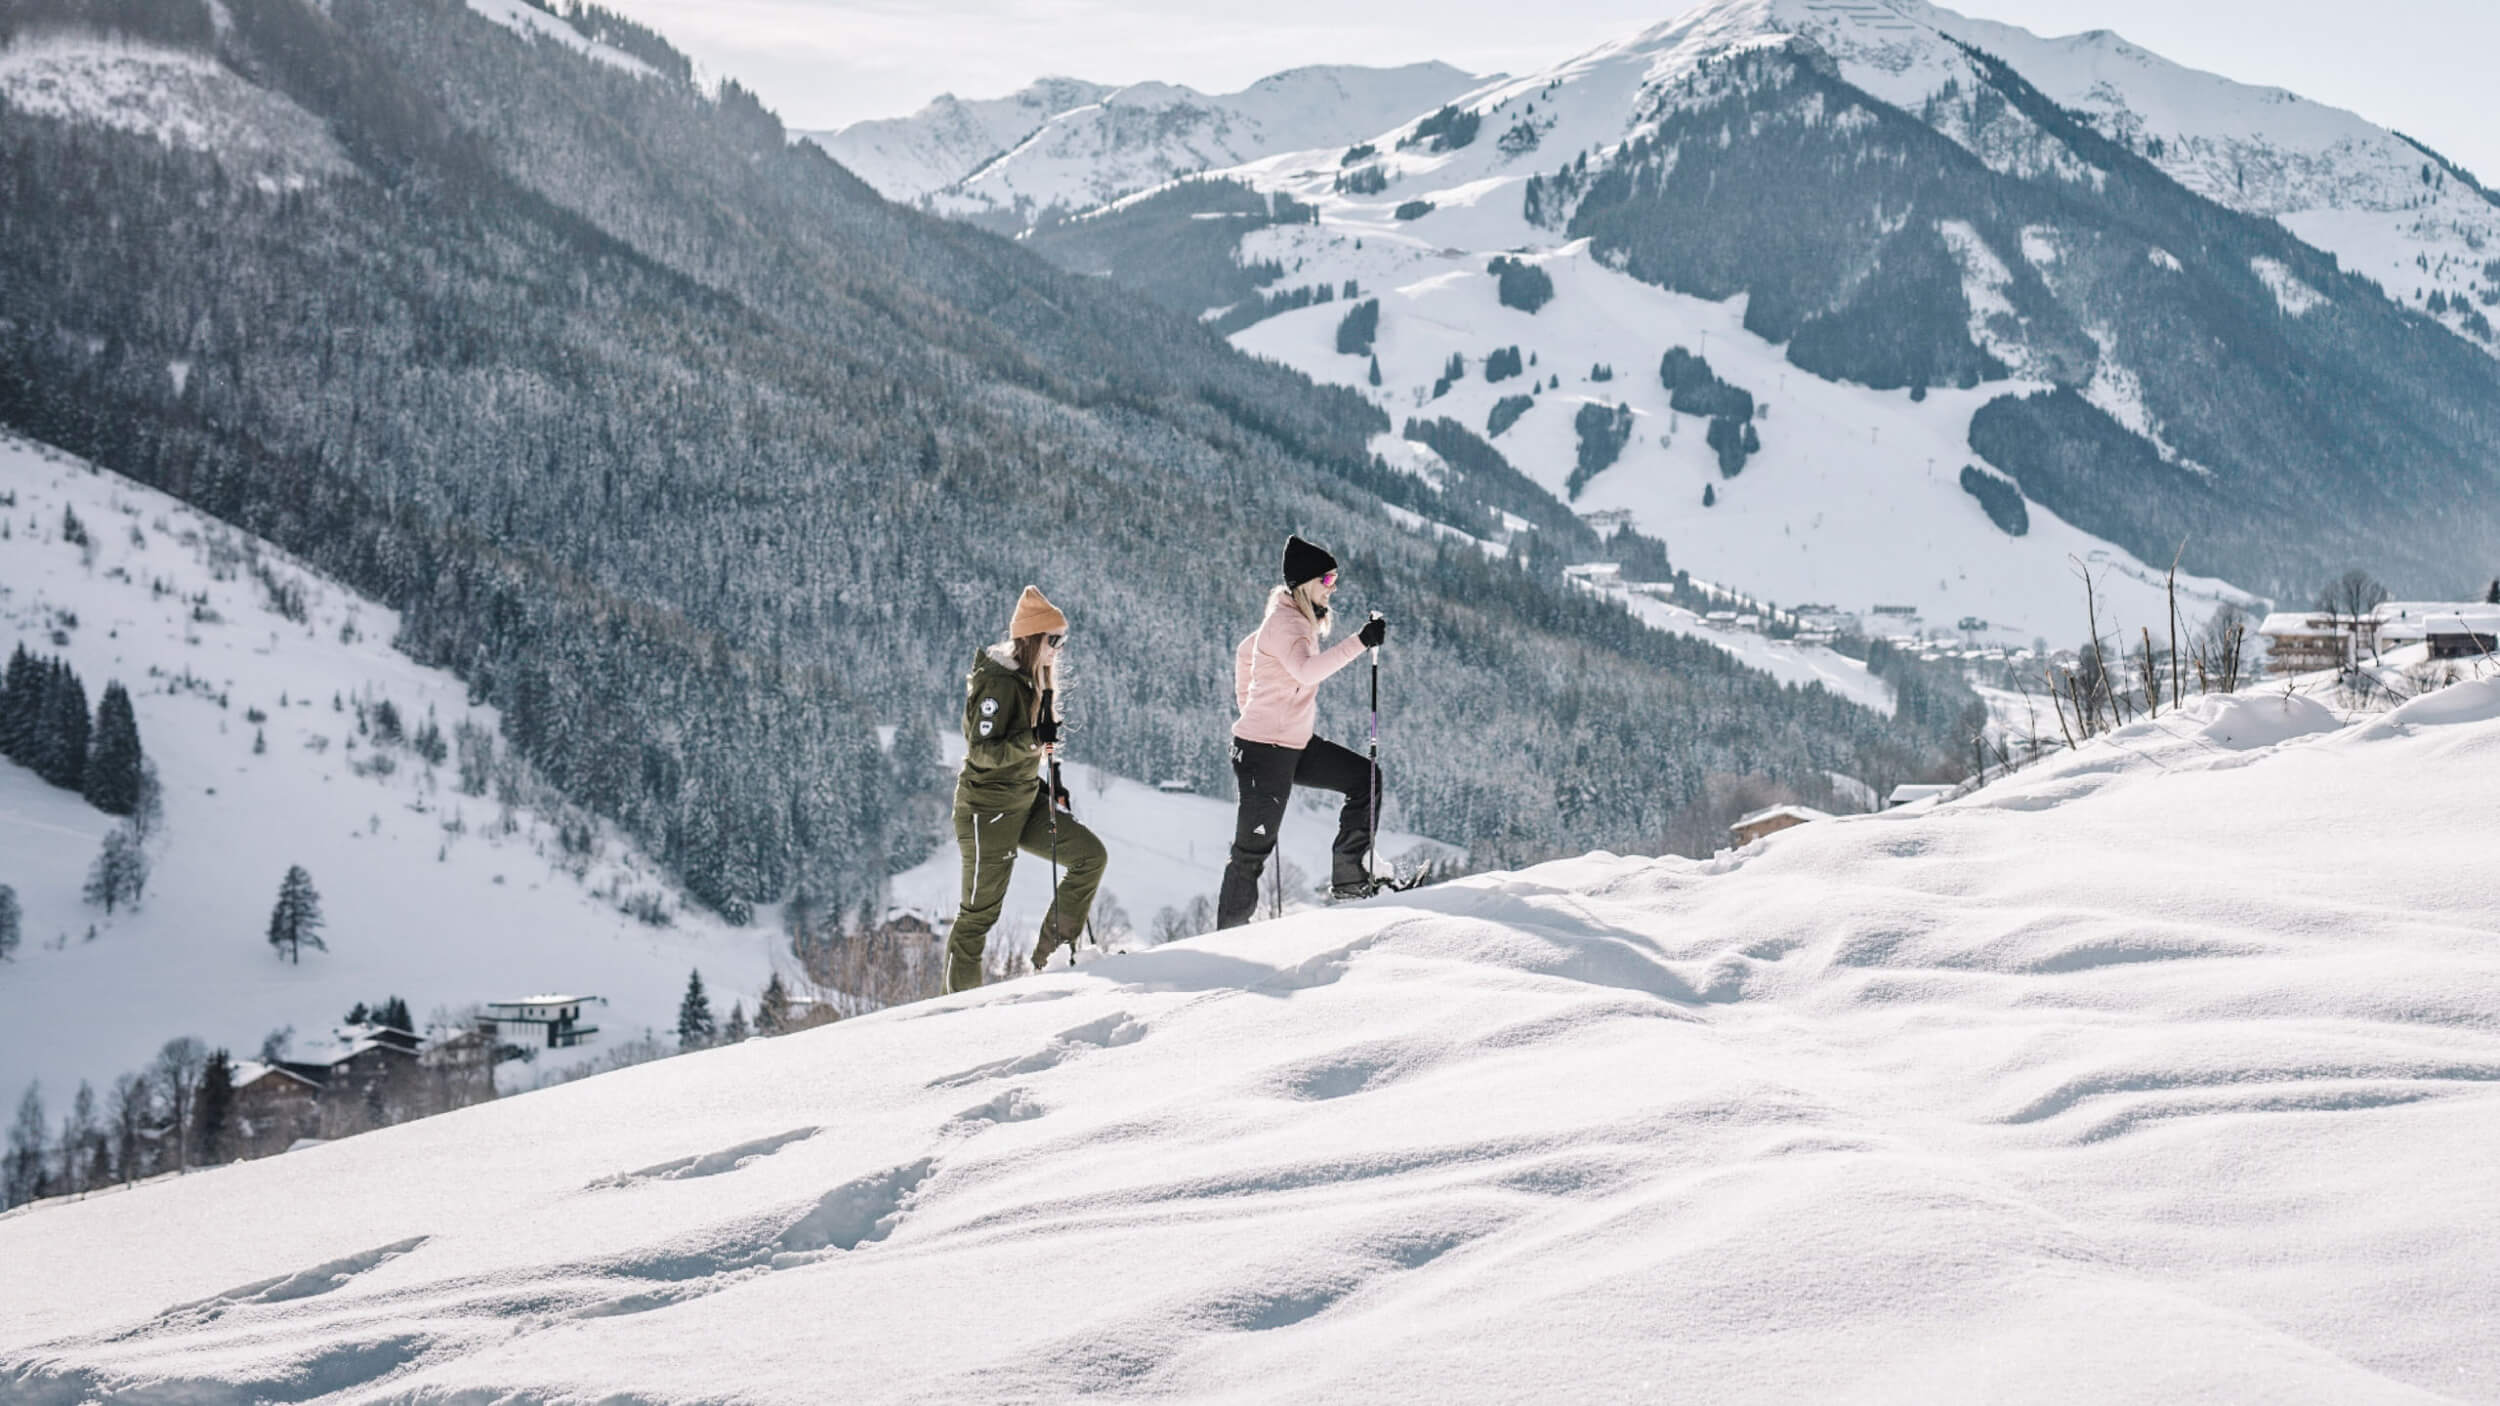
428, 895
2168, 1070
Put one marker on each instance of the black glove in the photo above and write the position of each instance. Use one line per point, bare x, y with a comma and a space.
1060, 798
1046, 732
1373, 632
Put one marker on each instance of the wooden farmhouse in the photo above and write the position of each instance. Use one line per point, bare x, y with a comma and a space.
2306, 641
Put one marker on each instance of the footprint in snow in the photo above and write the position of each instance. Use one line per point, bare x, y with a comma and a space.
709, 1164
1013, 1106
322, 1278
1108, 1032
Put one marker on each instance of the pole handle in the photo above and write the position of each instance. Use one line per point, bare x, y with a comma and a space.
1375, 652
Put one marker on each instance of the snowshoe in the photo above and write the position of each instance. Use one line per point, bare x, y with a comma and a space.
1051, 940
1372, 887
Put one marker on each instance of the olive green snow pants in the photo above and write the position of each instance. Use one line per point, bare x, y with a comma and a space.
989, 840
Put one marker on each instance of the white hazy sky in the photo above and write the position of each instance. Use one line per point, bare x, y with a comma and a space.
2426, 67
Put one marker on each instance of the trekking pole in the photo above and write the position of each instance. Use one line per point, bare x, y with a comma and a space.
1057, 786
1050, 803
1371, 854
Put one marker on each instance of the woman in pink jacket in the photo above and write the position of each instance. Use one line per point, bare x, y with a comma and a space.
1276, 677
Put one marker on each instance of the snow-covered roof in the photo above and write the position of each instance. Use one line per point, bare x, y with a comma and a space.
250, 1071
1909, 791
1801, 813
2302, 622
347, 1042
2406, 609
2420, 620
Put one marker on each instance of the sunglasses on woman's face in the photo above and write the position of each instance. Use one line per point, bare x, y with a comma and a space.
1328, 578
1053, 640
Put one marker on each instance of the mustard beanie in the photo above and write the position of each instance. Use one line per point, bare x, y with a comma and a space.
1035, 616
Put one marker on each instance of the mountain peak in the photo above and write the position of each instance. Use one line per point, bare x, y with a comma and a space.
1148, 133
905, 158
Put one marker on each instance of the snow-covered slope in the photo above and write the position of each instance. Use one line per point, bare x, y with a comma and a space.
1147, 133
181, 98
2080, 1088
906, 158
445, 898
1854, 500
524, 17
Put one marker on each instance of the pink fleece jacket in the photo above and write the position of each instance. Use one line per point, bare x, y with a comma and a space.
1277, 672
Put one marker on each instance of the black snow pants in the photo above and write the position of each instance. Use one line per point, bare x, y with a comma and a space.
1267, 775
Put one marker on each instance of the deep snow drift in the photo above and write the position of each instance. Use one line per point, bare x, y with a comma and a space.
2165, 1070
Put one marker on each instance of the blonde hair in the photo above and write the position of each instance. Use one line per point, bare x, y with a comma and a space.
1310, 612
1025, 653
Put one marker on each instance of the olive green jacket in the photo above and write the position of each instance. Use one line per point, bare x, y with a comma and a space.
1002, 759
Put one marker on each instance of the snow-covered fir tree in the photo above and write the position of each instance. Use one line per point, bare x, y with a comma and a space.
695, 1026
114, 756
295, 923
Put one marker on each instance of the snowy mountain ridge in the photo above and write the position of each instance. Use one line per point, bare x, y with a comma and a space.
1870, 1105
2386, 206
907, 158
2372, 197
1107, 142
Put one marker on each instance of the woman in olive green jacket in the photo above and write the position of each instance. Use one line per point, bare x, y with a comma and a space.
1000, 807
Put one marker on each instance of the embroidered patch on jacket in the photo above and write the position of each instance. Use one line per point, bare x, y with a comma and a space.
985, 729
988, 706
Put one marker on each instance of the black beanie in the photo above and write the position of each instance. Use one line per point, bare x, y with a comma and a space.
1304, 562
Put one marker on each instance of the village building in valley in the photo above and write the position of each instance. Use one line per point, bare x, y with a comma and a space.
360, 1078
